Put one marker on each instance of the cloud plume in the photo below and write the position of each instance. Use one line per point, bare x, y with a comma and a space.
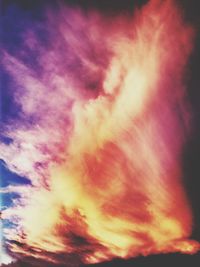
102, 121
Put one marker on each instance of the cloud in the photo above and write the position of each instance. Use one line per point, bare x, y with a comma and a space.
97, 136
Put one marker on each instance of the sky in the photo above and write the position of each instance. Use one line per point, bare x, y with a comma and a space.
99, 135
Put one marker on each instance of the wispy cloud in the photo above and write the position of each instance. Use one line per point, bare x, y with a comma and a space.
99, 136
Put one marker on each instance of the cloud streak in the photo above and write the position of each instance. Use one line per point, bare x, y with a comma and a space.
100, 136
